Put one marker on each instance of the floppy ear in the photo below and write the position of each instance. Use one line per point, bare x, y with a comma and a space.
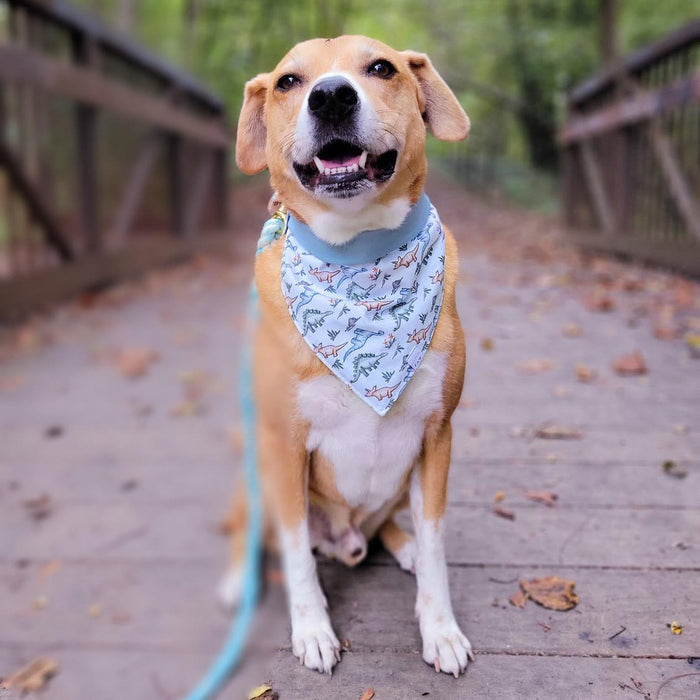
443, 114
252, 132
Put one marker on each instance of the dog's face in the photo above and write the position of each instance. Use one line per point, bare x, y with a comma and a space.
341, 122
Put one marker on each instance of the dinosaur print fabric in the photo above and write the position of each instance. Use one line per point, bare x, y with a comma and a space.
370, 324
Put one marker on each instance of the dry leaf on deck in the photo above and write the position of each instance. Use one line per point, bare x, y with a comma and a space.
368, 694
557, 432
31, 677
499, 496
546, 497
518, 599
572, 330
486, 344
134, 362
675, 627
599, 300
535, 366
674, 469
585, 374
263, 692
632, 364
503, 513
551, 592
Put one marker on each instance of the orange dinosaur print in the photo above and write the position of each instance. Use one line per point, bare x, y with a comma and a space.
420, 335
324, 275
438, 277
408, 259
385, 392
374, 305
328, 350
290, 301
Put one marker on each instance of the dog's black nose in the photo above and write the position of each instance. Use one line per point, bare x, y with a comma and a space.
333, 100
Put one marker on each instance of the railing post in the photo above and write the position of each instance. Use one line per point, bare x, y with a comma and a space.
85, 53
221, 161
176, 177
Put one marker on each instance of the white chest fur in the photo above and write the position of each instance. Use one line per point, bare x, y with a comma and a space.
370, 453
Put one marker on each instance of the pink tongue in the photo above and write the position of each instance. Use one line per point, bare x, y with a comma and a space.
340, 164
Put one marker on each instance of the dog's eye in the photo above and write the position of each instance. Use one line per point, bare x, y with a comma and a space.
382, 69
287, 82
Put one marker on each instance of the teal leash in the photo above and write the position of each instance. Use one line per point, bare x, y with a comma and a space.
235, 643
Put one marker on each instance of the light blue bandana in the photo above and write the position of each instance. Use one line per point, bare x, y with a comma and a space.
368, 309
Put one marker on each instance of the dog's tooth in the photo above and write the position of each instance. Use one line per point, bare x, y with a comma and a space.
353, 168
327, 171
363, 159
319, 164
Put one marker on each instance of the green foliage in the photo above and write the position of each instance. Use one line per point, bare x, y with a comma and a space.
510, 61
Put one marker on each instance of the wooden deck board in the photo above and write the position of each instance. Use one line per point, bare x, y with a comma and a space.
136, 497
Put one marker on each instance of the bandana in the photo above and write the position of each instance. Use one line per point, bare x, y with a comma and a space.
368, 309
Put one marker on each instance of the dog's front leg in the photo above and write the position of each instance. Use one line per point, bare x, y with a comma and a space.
313, 641
444, 645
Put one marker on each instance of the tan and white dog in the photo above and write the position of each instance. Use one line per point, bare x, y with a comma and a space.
341, 126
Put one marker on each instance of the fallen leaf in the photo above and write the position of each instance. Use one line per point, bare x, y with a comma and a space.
664, 327
545, 626
499, 496
134, 362
95, 610
262, 691
368, 694
557, 432
692, 342
599, 300
39, 508
674, 469
547, 497
675, 627
585, 374
40, 603
630, 365
487, 344
518, 599
572, 330
551, 592
535, 366
32, 677
503, 513
50, 568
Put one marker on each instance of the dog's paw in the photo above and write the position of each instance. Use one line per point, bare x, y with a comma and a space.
405, 555
315, 645
230, 588
445, 647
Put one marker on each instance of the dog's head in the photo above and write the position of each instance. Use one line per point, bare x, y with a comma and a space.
341, 124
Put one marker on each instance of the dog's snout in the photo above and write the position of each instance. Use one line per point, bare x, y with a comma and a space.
333, 99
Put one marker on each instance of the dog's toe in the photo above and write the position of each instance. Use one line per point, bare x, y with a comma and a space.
446, 648
317, 649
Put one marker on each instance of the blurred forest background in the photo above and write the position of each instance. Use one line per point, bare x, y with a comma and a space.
511, 62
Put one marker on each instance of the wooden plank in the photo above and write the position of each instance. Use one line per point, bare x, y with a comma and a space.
685, 258
675, 179
643, 105
29, 292
36, 204
371, 605
596, 187
85, 53
545, 537
88, 87
134, 189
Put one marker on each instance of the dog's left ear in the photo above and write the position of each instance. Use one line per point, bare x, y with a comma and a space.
442, 112
252, 132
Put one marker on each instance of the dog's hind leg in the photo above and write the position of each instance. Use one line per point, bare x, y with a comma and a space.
400, 544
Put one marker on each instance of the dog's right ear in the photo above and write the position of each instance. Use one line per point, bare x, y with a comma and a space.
252, 132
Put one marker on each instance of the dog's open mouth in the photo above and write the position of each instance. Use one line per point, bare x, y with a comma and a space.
341, 166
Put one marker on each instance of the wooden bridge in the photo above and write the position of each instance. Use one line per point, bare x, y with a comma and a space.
112, 160
576, 442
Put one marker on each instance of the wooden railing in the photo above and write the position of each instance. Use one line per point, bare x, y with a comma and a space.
110, 159
631, 155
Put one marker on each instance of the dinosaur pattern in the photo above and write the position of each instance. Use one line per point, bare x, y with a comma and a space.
350, 315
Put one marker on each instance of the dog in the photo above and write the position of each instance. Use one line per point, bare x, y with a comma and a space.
354, 392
